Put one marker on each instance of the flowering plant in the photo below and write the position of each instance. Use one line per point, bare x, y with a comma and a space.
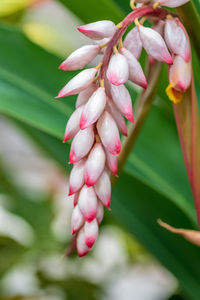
104, 101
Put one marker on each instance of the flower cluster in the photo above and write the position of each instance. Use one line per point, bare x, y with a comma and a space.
104, 101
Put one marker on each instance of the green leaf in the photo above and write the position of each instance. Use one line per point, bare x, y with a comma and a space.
91, 11
29, 82
138, 207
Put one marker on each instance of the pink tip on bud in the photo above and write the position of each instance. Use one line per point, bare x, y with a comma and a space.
176, 39
113, 110
109, 133
91, 233
154, 44
88, 203
81, 144
118, 71
78, 83
94, 108
72, 126
103, 189
77, 219
81, 246
180, 74
98, 30
80, 58
94, 165
76, 179
111, 161
122, 100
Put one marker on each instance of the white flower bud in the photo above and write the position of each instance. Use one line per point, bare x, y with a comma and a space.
81, 144
133, 43
77, 219
87, 203
180, 74
94, 108
94, 165
73, 124
82, 249
118, 72
109, 133
154, 44
103, 189
77, 84
98, 30
84, 96
91, 233
76, 178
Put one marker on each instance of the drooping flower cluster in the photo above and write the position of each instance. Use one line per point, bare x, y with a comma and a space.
104, 101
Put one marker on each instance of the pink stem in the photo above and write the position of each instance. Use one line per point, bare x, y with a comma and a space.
137, 13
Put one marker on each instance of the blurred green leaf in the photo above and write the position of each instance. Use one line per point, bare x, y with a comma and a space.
10, 253
138, 207
91, 11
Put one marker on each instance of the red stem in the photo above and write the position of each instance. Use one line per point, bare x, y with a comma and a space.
137, 13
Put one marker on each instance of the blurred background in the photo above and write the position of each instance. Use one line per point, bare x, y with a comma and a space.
133, 258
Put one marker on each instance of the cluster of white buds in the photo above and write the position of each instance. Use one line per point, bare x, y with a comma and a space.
104, 101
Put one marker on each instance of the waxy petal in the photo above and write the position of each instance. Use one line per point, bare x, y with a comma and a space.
117, 72
80, 58
133, 43
81, 144
95, 164
109, 133
94, 108
180, 74
113, 110
73, 124
84, 96
77, 84
111, 161
122, 99
91, 233
87, 203
82, 249
136, 73
100, 212
76, 179
77, 219
177, 40
172, 3
154, 44
98, 30
103, 189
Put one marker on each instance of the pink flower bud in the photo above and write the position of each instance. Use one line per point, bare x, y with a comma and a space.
121, 124
177, 40
136, 73
77, 219
87, 203
103, 189
77, 84
82, 249
100, 212
111, 161
94, 165
154, 44
98, 30
133, 43
122, 99
81, 144
80, 58
118, 71
76, 179
172, 3
180, 74
73, 124
91, 233
84, 96
109, 133
94, 108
